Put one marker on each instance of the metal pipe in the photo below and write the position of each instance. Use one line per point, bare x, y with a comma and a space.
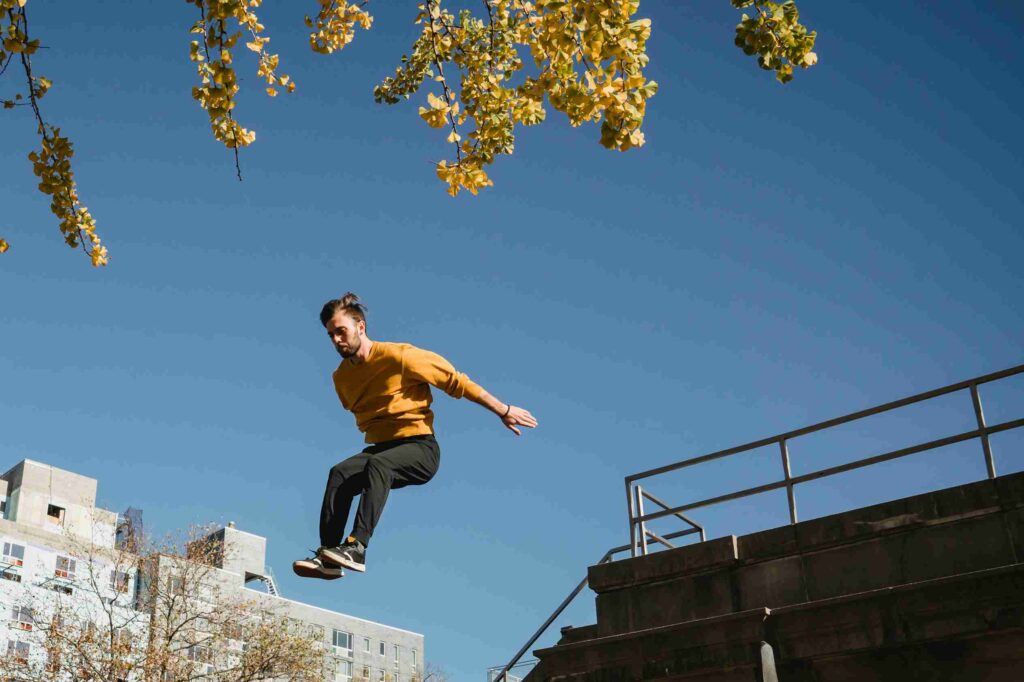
979, 414
680, 533
639, 495
654, 536
789, 435
551, 619
664, 505
768, 673
790, 494
632, 523
831, 471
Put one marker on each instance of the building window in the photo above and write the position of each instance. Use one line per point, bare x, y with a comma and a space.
65, 568
202, 655
382, 648
414, 656
395, 648
343, 643
366, 648
55, 513
13, 576
22, 617
344, 671
61, 588
14, 554
380, 675
366, 673
18, 651
120, 581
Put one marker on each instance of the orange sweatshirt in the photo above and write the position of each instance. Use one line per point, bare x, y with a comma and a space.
389, 392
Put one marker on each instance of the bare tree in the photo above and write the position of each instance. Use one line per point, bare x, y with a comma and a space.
433, 672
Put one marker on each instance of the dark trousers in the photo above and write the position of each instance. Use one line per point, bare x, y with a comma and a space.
372, 474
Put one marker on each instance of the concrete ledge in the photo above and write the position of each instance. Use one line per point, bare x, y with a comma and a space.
968, 528
726, 642
577, 634
969, 605
940, 507
916, 553
975, 620
671, 563
933, 508
991, 658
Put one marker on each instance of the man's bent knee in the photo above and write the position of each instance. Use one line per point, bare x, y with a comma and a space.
345, 469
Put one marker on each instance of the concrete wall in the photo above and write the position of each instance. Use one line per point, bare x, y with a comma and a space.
34, 487
244, 553
929, 588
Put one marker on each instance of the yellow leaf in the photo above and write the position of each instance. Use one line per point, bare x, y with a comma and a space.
454, 137
3, 242
272, 92
436, 102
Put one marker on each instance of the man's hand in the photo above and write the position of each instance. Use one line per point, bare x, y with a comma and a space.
517, 416
510, 415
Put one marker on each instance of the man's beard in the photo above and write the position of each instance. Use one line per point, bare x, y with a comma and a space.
352, 350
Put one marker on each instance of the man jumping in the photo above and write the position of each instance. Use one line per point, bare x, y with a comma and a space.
387, 387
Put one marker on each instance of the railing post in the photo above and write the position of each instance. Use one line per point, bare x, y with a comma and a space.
639, 501
985, 445
768, 673
632, 519
790, 494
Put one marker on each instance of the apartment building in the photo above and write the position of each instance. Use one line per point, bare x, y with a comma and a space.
58, 546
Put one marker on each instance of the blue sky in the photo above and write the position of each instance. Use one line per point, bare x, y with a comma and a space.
775, 256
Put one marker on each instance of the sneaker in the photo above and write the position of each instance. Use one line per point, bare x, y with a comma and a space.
351, 555
314, 567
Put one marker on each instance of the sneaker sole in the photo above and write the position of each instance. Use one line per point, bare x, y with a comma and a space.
311, 571
337, 559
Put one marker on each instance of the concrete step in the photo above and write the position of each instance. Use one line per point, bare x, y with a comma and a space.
966, 627
939, 534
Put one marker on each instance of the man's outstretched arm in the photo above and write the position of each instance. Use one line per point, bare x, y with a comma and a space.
511, 416
428, 366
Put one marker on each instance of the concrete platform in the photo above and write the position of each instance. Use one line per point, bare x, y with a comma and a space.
929, 587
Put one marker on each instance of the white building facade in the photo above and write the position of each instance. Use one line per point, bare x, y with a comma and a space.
49, 517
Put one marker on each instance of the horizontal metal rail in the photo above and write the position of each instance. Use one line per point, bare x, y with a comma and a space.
831, 471
871, 411
635, 494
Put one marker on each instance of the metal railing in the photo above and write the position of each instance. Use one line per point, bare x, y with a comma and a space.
502, 675
635, 494
515, 674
